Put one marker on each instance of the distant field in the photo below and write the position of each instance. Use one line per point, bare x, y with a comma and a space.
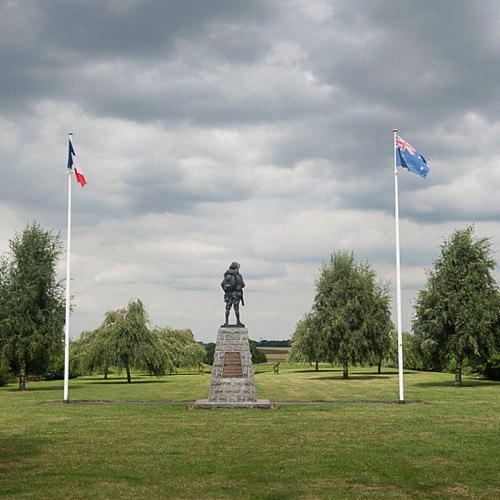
275, 354
356, 442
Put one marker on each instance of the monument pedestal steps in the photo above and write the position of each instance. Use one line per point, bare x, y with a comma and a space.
232, 384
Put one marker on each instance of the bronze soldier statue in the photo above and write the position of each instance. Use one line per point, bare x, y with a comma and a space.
233, 285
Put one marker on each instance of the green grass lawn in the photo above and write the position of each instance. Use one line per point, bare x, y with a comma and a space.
445, 444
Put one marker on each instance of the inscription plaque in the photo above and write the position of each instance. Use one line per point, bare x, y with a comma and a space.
232, 365
232, 384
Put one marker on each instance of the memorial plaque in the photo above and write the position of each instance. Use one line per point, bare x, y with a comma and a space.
232, 384
232, 365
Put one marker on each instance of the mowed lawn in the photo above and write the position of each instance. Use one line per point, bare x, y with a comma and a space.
445, 443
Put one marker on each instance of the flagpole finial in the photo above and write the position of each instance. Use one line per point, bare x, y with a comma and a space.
394, 130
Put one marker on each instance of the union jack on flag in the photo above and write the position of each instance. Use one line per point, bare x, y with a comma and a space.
408, 157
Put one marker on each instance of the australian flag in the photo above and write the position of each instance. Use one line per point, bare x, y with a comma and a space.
408, 157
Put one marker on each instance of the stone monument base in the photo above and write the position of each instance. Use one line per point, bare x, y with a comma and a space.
210, 405
232, 384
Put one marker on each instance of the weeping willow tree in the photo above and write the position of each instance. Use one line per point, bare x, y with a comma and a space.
125, 341
133, 344
180, 349
93, 352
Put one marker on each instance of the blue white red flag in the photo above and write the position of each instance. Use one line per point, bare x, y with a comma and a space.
408, 157
73, 165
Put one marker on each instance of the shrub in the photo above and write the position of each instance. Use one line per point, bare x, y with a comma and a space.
209, 353
257, 356
5, 373
54, 369
490, 369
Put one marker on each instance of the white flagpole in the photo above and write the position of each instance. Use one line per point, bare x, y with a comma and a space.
398, 278
68, 295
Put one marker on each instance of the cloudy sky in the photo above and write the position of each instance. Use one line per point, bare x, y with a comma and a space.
258, 131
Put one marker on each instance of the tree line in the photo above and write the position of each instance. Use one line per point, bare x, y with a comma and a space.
273, 343
456, 316
257, 355
32, 315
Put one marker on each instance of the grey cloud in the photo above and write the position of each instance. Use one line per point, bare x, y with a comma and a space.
261, 131
430, 58
60, 39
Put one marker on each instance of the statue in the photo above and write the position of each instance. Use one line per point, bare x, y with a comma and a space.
233, 285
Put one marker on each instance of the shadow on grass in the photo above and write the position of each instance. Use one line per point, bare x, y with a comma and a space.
323, 370
385, 371
41, 389
318, 374
13, 449
467, 383
354, 377
121, 381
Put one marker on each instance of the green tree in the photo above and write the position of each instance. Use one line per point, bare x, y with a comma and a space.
414, 352
93, 352
351, 310
31, 300
307, 343
209, 353
381, 329
180, 349
132, 344
490, 369
458, 309
5, 375
419, 353
257, 356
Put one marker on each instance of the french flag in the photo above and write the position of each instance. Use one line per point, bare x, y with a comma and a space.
73, 164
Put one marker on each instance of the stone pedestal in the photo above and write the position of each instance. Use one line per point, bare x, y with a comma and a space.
232, 384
